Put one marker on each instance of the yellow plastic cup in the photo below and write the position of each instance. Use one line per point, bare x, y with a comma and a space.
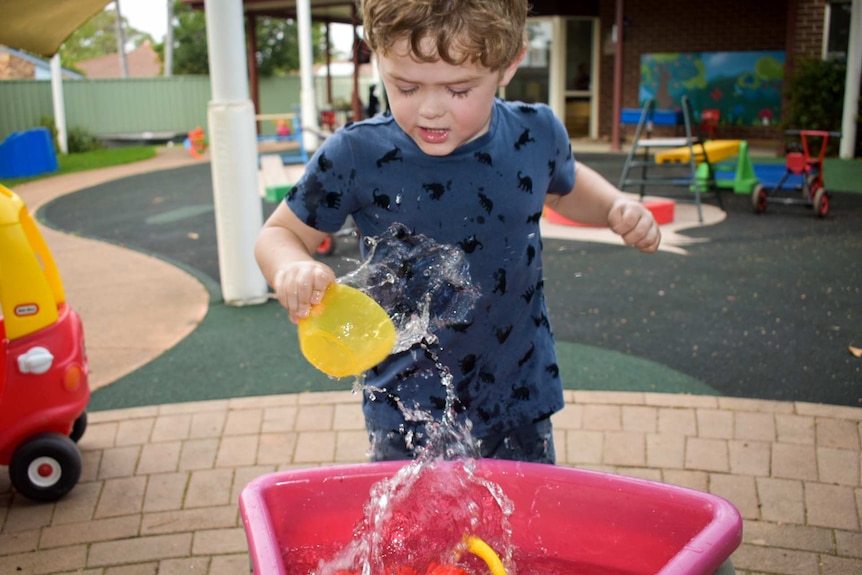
347, 333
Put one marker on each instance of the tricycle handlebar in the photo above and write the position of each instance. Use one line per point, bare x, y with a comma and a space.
812, 133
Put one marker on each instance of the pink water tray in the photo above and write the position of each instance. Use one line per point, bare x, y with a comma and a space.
599, 523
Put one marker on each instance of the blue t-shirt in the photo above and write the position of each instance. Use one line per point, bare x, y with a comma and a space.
486, 197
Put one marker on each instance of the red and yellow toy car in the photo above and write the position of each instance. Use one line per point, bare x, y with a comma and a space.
43, 363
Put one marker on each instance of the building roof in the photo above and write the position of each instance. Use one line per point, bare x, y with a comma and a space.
142, 62
41, 68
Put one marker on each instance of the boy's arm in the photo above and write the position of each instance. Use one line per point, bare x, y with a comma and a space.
283, 250
594, 200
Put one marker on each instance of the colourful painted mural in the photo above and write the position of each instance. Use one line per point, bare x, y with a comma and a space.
745, 87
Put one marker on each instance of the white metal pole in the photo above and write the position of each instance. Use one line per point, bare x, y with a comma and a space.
557, 68
59, 104
169, 42
308, 106
233, 149
121, 43
851, 84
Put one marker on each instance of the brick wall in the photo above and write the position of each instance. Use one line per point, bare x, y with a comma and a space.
808, 40
685, 26
13, 68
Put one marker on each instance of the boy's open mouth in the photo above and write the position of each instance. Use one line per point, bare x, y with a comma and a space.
434, 135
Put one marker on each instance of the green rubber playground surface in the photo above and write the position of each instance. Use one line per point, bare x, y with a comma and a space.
762, 306
239, 352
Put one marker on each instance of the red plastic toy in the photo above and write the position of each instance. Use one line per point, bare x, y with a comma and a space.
709, 122
43, 364
433, 569
196, 143
805, 166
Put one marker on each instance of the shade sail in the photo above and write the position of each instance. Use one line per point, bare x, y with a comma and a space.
41, 26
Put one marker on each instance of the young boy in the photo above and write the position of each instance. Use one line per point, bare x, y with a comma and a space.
456, 164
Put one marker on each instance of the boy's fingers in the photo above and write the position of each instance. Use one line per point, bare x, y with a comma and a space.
650, 241
320, 281
304, 287
624, 218
636, 225
302, 297
300, 287
282, 283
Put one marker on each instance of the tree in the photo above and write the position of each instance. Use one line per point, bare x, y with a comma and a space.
277, 44
815, 96
98, 37
190, 40
664, 74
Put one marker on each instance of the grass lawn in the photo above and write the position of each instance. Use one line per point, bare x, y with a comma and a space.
843, 175
90, 161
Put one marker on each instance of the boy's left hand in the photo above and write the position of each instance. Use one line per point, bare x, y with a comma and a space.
635, 224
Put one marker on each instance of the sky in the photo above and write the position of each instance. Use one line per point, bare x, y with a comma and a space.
146, 15
152, 16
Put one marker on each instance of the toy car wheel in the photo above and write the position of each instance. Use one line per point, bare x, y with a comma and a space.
811, 182
45, 467
327, 246
759, 199
821, 202
79, 427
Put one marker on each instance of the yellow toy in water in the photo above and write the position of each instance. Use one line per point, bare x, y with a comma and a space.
347, 333
484, 551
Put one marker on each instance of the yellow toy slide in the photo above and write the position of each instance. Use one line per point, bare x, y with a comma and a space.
716, 150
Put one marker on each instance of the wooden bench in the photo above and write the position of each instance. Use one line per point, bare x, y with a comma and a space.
272, 180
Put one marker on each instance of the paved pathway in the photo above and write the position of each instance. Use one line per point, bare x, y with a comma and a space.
160, 484
134, 306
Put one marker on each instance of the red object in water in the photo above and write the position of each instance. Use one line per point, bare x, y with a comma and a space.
588, 522
437, 569
433, 569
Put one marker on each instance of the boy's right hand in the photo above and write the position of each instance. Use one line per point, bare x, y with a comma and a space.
300, 285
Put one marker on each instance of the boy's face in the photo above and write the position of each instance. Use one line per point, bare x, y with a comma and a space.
439, 105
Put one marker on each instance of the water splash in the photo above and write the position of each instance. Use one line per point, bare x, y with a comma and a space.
423, 285
420, 515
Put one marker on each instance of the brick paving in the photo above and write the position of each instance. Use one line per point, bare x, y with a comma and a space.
159, 490
160, 485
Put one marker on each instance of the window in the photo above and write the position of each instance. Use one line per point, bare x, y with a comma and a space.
836, 30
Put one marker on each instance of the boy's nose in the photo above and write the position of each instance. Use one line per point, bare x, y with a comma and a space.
431, 107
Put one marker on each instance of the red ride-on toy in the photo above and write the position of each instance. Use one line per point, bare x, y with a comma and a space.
43, 364
803, 173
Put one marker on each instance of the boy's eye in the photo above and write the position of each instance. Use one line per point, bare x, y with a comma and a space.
462, 93
455, 93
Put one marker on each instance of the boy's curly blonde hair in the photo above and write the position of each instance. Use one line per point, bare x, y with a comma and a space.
486, 32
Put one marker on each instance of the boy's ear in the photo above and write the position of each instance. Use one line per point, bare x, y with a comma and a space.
509, 72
